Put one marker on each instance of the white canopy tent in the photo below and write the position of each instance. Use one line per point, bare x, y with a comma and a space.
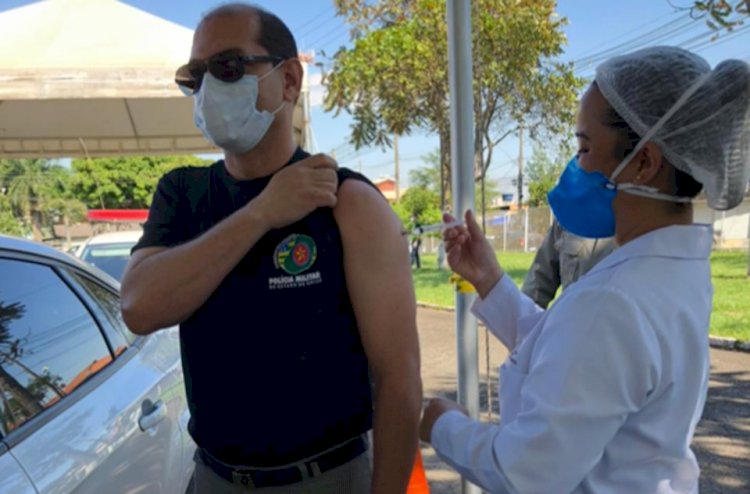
95, 78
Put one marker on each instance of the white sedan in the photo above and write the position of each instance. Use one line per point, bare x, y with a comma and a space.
85, 405
110, 252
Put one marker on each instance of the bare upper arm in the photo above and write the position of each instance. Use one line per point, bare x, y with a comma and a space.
378, 275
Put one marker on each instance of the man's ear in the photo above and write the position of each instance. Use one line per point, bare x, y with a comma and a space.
293, 75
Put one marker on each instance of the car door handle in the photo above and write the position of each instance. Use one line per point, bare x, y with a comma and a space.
151, 414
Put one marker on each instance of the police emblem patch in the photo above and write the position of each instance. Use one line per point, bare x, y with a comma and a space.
295, 254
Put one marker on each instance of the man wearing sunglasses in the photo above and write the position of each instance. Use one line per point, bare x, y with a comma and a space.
289, 280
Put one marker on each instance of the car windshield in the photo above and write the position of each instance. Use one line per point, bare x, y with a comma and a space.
110, 258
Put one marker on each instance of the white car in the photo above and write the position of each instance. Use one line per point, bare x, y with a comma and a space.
110, 251
85, 405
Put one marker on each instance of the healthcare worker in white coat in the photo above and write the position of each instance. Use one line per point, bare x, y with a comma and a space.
602, 392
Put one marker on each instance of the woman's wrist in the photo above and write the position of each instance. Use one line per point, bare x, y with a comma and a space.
491, 278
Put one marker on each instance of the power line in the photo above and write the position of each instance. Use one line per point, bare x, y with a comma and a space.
695, 43
670, 29
301, 27
314, 27
330, 36
710, 43
664, 33
627, 33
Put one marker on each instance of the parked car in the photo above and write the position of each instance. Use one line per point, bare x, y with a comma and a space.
85, 405
110, 251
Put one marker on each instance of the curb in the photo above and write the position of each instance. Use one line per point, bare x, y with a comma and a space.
715, 341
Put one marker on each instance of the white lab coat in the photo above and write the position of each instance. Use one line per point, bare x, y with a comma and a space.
602, 392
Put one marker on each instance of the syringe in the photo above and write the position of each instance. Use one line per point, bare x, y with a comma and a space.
436, 227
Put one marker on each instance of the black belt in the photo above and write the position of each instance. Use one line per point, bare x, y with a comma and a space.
289, 474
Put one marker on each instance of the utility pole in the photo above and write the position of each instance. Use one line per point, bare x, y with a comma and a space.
395, 162
520, 167
461, 94
359, 164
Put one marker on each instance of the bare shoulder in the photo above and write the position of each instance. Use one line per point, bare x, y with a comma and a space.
363, 208
355, 192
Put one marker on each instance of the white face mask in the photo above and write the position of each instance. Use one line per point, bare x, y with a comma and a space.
227, 112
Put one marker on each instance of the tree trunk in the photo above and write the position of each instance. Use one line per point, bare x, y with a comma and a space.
445, 167
66, 221
479, 175
36, 228
484, 205
24, 398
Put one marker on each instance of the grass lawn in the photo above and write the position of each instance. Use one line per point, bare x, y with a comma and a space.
731, 315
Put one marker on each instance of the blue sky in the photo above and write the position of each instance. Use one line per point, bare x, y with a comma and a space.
593, 26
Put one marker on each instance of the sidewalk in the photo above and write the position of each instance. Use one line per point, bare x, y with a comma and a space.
722, 441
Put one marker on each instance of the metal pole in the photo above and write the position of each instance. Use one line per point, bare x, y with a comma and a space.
520, 166
462, 162
505, 231
526, 230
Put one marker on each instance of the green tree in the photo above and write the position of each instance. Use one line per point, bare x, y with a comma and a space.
9, 223
420, 204
62, 205
124, 182
427, 176
544, 169
31, 183
541, 174
394, 79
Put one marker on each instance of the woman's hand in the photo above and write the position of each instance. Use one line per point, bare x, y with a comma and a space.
470, 254
434, 410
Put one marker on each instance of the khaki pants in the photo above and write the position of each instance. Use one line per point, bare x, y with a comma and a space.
350, 478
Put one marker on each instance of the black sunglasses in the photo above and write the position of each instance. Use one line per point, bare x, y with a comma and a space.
227, 66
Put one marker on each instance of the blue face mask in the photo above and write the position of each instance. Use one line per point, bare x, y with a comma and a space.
227, 114
582, 202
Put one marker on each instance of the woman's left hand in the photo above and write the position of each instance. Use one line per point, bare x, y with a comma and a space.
434, 410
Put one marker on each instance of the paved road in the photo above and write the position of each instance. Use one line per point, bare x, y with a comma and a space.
722, 441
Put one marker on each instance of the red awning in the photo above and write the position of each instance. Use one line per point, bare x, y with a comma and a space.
118, 215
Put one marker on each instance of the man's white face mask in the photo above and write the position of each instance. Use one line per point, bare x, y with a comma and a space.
227, 112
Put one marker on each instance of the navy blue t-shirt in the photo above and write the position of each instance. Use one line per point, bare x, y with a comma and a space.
274, 366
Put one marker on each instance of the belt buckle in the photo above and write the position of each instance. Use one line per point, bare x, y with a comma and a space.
244, 479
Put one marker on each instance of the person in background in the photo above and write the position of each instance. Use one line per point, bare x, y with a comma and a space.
416, 244
562, 258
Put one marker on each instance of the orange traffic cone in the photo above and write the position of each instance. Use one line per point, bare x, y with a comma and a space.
418, 481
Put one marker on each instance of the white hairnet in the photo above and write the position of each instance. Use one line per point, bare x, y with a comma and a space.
708, 137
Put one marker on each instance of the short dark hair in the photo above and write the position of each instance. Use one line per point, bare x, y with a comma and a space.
685, 185
275, 37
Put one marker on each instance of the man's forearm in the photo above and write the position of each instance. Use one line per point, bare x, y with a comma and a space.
396, 433
165, 288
